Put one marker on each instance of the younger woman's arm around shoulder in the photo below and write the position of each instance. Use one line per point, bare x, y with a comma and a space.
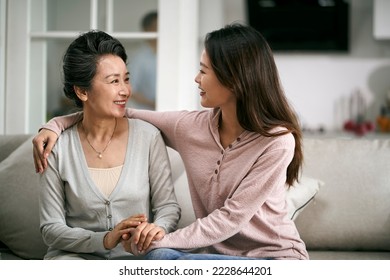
169, 122
45, 140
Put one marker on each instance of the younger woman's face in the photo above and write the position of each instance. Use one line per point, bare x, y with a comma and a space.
212, 93
111, 87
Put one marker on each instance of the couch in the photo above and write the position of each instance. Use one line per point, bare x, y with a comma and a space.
341, 205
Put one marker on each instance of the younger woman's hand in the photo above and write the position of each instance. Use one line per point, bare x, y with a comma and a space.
123, 229
43, 143
144, 234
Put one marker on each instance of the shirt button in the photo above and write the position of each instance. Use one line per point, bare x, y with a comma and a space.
216, 171
230, 146
109, 216
110, 229
218, 162
238, 139
222, 152
107, 203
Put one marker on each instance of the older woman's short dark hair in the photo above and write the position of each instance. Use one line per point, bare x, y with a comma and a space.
81, 58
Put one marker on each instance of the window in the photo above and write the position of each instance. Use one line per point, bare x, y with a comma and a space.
38, 31
53, 31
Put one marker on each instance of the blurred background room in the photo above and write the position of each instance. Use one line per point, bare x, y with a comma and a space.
333, 56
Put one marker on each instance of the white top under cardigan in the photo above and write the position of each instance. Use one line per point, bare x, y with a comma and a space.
106, 179
74, 213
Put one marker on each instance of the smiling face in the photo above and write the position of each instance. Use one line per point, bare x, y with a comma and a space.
110, 88
213, 94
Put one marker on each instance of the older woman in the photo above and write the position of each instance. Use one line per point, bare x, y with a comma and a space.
107, 175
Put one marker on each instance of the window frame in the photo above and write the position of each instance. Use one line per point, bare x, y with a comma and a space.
3, 14
25, 69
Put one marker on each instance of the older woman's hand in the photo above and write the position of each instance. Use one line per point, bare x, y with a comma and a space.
123, 229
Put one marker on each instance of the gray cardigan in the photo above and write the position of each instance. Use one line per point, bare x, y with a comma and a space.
75, 215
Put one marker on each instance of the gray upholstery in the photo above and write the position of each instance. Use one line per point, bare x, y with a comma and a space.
351, 213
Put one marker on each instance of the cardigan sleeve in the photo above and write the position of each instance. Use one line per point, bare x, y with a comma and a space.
165, 209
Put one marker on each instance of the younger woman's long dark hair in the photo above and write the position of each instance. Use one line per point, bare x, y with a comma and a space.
244, 62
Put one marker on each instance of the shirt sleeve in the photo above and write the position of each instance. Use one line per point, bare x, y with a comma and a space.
60, 123
164, 121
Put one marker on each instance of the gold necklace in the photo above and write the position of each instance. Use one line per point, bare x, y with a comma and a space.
100, 154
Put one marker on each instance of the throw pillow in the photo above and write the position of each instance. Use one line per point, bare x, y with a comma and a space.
300, 194
11, 142
19, 200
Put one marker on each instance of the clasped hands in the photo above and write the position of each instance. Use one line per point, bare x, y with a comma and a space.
135, 233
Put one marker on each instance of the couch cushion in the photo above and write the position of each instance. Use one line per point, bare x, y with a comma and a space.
9, 143
19, 194
184, 199
179, 178
348, 255
300, 194
177, 166
353, 211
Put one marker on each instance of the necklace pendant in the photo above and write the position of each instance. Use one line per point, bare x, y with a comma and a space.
100, 154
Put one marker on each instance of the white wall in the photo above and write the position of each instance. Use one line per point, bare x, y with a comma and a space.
2, 64
381, 19
318, 85
16, 66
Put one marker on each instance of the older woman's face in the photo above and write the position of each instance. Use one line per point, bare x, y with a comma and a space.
111, 87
